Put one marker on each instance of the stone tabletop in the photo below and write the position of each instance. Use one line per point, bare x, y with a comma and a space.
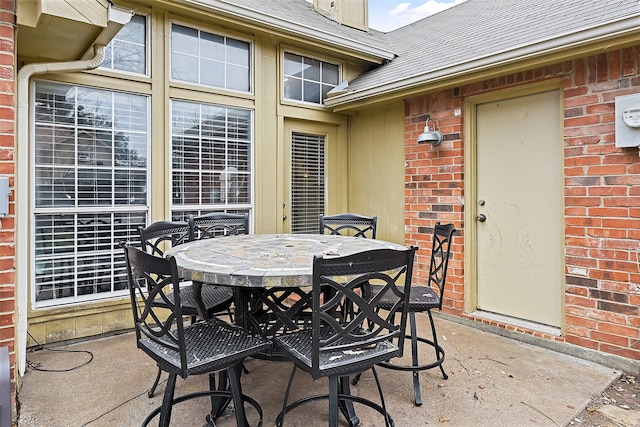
264, 260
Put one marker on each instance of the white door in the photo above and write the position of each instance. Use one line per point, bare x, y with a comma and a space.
520, 208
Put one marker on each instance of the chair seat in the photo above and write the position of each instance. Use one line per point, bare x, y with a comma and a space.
210, 345
421, 298
342, 363
214, 298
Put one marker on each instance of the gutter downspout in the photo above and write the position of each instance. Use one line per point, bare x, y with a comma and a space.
23, 193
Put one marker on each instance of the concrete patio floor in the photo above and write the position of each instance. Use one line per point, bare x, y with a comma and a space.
493, 381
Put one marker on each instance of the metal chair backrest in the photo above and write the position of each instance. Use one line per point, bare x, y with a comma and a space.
149, 278
159, 236
336, 283
440, 253
349, 224
218, 224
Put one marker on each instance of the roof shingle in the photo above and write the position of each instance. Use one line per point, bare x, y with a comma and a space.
482, 28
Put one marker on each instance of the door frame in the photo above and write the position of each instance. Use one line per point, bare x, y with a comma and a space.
470, 193
336, 193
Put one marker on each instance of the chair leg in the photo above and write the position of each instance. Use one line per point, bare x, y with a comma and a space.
414, 359
218, 404
333, 401
167, 401
388, 422
280, 418
236, 391
152, 390
439, 353
356, 378
346, 406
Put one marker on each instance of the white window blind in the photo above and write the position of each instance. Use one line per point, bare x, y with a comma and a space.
210, 159
90, 174
307, 182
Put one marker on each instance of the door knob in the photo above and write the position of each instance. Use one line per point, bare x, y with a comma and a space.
481, 217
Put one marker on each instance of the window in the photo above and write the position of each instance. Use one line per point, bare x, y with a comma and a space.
307, 79
128, 49
90, 173
307, 182
209, 59
210, 159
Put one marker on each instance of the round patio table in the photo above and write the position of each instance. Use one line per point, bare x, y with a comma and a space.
271, 273
264, 260
272, 276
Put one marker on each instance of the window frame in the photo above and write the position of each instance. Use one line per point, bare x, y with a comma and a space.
180, 212
113, 210
322, 60
147, 52
215, 32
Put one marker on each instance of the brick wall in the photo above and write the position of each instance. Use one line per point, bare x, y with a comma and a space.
7, 168
602, 195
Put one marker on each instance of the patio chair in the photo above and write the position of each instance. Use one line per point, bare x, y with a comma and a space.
423, 299
203, 347
215, 299
218, 224
154, 239
337, 346
349, 224
212, 225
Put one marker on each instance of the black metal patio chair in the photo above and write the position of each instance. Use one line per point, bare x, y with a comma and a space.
155, 239
204, 347
349, 224
425, 298
218, 224
338, 345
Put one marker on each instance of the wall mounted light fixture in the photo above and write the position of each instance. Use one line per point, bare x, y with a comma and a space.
433, 137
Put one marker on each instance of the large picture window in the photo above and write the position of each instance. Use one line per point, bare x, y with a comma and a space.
210, 159
209, 59
308, 79
91, 180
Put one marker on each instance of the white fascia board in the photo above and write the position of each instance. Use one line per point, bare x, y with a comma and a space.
517, 54
257, 17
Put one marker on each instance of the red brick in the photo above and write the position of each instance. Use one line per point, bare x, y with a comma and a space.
621, 352
628, 61
624, 331
609, 338
581, 121
614, 65
582, 342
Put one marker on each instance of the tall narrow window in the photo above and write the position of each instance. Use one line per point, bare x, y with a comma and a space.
209, 59
210, 159
90, 171
307, 79
128, 49
307, 182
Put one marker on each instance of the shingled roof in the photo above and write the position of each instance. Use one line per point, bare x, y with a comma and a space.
470, 37
480, 34
297, 17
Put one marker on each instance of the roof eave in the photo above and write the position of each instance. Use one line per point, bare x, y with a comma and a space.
618, 32
255, 17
